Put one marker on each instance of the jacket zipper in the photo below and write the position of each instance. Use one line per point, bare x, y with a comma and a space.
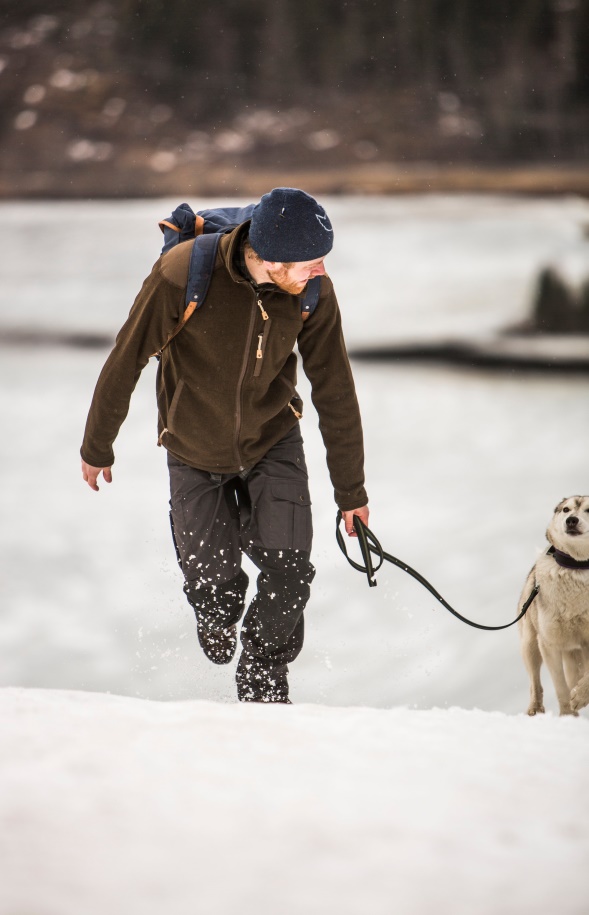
244, 363
262, 339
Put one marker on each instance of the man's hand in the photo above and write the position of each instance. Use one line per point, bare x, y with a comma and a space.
349, 519
91, 474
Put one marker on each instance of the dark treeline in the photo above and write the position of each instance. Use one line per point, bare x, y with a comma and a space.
275, 48
444, 80
520, 67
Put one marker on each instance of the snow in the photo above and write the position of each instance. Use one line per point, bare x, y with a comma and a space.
127, 806
405, 777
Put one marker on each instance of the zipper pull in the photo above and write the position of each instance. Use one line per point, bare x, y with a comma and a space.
259, 349
264, 313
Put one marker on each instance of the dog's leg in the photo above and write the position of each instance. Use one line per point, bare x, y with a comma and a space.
573, 666
580, 692
533, 661
553, 659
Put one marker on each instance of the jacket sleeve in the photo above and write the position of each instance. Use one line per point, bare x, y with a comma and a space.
325, 363
154, 314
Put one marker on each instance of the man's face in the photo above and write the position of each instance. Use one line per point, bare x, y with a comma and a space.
294, 277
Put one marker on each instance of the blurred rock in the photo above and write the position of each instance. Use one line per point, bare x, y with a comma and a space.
559, 307
584, 306
553, 305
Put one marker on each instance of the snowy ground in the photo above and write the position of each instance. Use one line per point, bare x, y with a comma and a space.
403, 803
128, 807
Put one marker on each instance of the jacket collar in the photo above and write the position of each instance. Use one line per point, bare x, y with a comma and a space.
229, 249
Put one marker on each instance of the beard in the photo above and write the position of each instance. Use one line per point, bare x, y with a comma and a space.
280, 278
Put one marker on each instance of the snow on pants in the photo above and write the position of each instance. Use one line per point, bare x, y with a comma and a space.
264, 513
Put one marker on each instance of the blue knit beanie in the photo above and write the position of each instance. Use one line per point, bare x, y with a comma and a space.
289, 225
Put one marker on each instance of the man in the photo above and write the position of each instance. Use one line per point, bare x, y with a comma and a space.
229, 419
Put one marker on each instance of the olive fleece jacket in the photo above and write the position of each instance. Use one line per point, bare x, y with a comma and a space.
226, 382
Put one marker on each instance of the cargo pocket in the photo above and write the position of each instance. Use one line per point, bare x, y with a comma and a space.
289, 523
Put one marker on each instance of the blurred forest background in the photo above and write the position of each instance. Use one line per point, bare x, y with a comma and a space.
144, 97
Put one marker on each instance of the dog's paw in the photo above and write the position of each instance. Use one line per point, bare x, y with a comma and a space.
580, 695
536, 710
569, 711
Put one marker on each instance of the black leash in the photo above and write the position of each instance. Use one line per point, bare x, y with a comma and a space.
369, 544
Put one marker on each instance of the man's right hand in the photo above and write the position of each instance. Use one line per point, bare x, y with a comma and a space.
91, 474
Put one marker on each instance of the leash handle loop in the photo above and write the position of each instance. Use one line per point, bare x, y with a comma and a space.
367, 543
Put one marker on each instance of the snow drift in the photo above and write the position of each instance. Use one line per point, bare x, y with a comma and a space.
120, 805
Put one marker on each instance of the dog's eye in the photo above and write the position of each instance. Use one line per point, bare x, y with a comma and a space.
565, 510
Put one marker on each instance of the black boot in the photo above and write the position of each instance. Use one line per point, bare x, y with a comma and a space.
214, 606
218, 644
258, 680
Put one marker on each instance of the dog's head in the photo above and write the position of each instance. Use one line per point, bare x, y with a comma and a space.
569, 529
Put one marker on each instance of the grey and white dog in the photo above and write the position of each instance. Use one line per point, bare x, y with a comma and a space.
556, 627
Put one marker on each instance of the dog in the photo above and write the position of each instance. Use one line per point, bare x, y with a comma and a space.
555, 628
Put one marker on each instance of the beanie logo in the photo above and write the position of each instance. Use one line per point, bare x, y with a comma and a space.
322, 220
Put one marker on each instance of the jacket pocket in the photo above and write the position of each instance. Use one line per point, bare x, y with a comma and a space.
167, 420
294, 403
174, 405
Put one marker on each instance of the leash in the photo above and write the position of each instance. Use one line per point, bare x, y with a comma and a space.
369, 544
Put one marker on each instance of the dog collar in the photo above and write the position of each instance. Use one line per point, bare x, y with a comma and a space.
566, 561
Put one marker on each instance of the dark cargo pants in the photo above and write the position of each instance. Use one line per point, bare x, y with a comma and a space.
266, 514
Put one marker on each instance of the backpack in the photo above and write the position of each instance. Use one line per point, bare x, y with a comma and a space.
207, 227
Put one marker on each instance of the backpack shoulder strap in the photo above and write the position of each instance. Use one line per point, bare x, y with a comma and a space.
311, 297
200, 270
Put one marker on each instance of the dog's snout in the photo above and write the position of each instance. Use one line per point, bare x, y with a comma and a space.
572, 521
